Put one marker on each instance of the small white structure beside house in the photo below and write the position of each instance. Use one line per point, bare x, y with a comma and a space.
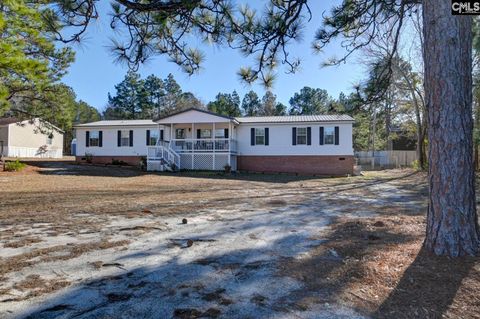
200, 140
25, 139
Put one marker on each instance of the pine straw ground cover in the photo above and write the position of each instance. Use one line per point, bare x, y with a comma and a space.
378, 267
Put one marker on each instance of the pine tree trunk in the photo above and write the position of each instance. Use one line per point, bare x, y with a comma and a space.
452, 226
476, 127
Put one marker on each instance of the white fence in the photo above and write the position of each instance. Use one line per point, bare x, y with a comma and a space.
385, 159
26, 152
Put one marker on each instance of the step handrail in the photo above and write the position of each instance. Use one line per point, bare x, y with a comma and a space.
165, 153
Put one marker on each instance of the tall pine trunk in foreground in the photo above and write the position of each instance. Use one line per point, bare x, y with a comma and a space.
452, 226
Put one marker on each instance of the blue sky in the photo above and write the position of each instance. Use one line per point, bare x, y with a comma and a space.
94, 72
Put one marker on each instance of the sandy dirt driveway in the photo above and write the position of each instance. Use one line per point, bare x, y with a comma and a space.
106, 242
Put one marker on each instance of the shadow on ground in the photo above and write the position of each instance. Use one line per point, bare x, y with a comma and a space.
75, 169
429, 286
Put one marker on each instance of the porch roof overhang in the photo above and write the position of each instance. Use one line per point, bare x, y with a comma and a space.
194, 115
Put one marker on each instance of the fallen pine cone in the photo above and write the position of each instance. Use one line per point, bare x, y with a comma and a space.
146, 211
189, 243
184, 221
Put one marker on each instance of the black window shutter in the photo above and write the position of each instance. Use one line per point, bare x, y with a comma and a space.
309, 136
252, 136
119, 138
148, 137
337, 135
131, 138
225, 133
294, 136
100, 138
161, 135
87, 138
266, 136
321, 135
199, 133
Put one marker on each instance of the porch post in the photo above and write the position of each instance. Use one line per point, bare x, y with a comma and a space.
193, 146
214, 146
230, 135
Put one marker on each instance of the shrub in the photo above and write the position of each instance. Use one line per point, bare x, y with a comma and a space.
416, 165
143, 163
228, 169
14, 166
88, 157
118, 162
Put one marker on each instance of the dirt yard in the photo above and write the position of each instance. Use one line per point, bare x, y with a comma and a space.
105, 242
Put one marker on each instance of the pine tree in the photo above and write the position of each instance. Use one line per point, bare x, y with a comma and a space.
251, 104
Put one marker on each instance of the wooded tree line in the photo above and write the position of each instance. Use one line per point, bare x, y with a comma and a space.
137, 98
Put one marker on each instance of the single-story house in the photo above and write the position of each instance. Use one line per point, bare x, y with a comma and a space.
26, 139
200, 140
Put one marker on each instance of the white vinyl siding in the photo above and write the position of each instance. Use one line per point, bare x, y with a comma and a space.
110, 142
280, 140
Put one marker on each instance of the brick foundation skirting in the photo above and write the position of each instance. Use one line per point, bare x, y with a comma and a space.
318, 165
130, 160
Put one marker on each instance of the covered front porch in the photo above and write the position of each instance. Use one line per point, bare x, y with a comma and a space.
196, 140
201, 137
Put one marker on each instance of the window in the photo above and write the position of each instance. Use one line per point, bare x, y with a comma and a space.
49, 139
205, 133
153, 137
94, 139
180, 133
220, 133
259, 136
301, 136
329, 135
125, 138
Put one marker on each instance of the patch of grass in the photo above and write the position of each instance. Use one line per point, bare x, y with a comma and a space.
15, 166
22, 242
54, 253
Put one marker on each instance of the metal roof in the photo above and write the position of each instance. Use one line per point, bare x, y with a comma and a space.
296, 118
159, 120
246, 120
118, 123
195, 109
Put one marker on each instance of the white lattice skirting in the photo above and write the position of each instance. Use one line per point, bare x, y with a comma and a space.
209, 162
14, 151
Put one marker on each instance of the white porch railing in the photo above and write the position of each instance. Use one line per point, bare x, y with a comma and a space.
163, 153
203, 145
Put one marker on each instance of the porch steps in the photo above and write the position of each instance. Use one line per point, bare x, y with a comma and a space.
162, 158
